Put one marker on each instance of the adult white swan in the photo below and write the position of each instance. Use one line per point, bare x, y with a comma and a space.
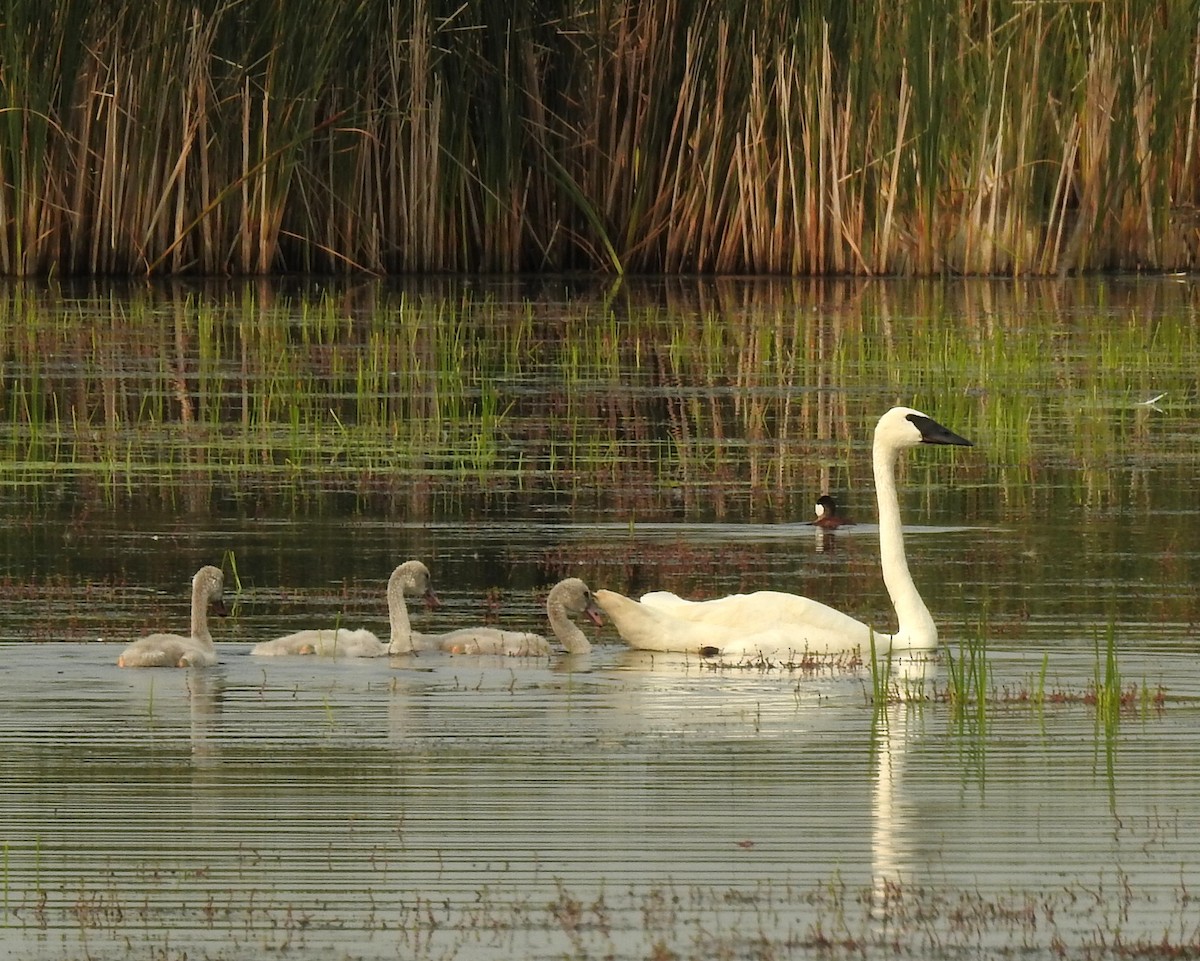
567, 598
410, 579
175, 650
775, 625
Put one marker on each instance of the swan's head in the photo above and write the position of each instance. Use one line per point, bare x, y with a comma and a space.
904, 427
411, 579
209, 583
576, 598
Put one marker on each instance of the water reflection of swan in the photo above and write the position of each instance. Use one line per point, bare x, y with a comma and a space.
206, 692
410, 579
568, 597
175, 650
893, 817
772, 624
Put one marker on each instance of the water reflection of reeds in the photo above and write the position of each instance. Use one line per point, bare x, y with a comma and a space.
715, 398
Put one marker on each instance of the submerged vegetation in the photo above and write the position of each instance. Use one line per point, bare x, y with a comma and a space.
970, 692
834, 919
240, 136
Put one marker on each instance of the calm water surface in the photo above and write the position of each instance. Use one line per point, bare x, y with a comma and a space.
615, 804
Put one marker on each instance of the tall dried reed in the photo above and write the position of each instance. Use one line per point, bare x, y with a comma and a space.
248, 136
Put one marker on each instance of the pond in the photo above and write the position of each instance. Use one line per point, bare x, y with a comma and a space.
1031, 790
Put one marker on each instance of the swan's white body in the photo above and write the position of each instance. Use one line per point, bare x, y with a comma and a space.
779, 626
409, 579
568, 597
176, 650
327, 642
484, 640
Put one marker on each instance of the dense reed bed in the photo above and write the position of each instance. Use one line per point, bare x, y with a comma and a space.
240, 136
701, 399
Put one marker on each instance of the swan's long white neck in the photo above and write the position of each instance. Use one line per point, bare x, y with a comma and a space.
200, 613
915, 624
565, 629
400, 641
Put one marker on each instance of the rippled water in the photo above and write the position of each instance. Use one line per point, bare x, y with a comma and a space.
604, 804
617, 804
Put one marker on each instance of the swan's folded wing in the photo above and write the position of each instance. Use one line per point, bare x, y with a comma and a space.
323, 642
749, 613
281, 646
485, 640
651, 629
771, 623
359, 643
167, 650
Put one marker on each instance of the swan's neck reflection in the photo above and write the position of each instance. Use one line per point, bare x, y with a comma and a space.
897, 723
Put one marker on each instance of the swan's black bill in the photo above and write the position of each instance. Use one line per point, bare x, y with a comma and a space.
934, 433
